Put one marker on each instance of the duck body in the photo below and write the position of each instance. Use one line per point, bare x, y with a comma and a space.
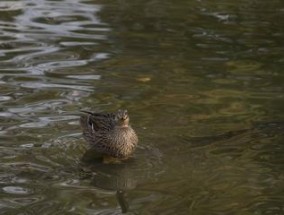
109, 133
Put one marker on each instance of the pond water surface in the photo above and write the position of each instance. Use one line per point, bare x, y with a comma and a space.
202, 81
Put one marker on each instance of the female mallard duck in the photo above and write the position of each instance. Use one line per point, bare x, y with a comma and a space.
109, 134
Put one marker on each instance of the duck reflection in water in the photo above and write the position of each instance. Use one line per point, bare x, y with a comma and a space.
119, 178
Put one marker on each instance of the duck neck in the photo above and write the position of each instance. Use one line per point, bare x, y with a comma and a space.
122, 126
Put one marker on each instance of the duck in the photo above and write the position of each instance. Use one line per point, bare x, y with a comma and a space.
109, 134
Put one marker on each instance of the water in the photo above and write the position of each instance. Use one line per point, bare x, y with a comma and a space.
203, 82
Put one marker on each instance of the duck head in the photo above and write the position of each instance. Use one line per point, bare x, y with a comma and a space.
122, 118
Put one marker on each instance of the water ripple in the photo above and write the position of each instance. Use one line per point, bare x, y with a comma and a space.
16, 190
43, 85
39, 24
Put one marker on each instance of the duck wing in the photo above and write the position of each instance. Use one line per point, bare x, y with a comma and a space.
94, 122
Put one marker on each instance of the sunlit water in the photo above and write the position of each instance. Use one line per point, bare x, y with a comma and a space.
202, 80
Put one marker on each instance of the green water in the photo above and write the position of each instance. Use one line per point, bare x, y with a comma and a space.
202, 81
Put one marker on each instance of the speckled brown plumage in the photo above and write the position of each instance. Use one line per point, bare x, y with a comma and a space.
109, 133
